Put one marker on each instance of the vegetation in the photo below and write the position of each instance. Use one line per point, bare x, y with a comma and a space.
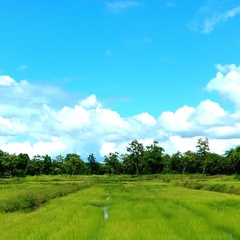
122, 207
143, 194
29, 198
137, 160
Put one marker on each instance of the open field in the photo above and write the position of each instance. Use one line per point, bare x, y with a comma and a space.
120, 207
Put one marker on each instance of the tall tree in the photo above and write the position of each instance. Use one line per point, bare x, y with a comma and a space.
73, 164
233, 156
58, 164
153, 159
214, 164
112, 163
177, 163
191, 164
9, 163
35, 166
136, 150
2, 167
93, 165
202, 152
47, 164
21, 163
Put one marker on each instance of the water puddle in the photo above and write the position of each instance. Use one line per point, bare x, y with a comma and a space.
105, 212
104, 208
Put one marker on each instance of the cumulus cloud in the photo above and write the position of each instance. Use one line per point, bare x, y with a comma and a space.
220, 146
227, 83
39, 127
31, 122
207, 119
23, 96
6, 80
90, 102
178, 121
209, 113
11, 127
51, 147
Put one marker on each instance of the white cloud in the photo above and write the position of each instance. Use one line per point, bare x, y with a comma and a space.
51, 147
207, 119
90, 102
119, 6
209, 113
146, 119
210, 23
212, 14
11, 127
107, 147
6, 80
227, 83
31, 122
220, 146
181, 144
178, 121
23, 96
86, 127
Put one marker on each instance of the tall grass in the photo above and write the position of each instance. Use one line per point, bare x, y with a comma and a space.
137, 208
215, 184
28, 195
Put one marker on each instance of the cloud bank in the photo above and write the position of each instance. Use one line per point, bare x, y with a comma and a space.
31, 123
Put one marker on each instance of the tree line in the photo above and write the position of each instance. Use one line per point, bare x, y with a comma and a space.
138, 159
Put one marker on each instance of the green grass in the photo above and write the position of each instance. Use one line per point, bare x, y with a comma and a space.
123, 207
224, 184
30, 193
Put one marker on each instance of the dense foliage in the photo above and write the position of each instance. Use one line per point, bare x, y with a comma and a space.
137, 160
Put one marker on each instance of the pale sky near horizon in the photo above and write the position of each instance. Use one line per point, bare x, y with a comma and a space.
90, 76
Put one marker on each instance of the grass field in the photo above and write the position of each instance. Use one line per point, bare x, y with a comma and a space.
120, 207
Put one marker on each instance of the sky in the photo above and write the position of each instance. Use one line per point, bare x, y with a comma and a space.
88, 77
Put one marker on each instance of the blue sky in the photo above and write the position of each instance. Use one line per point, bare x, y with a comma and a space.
140, 64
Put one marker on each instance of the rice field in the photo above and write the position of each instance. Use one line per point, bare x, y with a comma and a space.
120, 207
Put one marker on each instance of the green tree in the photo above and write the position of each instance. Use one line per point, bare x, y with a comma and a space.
178, 163
21, 163
233, 156
57, 165
9, 163
190, 162
153, 159
2, 167
73, 164
214, 164
135, 151
93, 165
35, 165
202, 152
128, 165
112, 163
47, 164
